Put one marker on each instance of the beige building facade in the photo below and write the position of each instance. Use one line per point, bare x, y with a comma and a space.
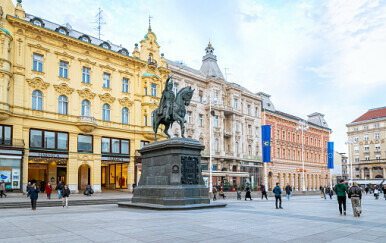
236, 122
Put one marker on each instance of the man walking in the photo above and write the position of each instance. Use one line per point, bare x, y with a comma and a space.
214, 191
33, 195
65, 194
2, 189
43, 186
277, 191
341, 190
355, 193
288, 191
248, 193
263, 192
59, 187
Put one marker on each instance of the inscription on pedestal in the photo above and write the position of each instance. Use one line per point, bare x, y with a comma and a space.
190, 170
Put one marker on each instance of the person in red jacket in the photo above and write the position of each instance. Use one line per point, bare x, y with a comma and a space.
48, 190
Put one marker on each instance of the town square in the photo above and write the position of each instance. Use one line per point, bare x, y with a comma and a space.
192, 121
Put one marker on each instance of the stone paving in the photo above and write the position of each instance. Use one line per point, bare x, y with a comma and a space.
303, 219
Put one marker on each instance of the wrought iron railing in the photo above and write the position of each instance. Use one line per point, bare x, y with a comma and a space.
89, 119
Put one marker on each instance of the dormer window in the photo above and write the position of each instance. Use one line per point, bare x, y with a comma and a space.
123, 51
62, 31
85, 38
105, 45
37, 23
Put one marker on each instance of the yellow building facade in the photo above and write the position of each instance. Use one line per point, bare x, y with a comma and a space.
73, 108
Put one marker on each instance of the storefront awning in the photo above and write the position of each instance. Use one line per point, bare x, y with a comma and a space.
225, 173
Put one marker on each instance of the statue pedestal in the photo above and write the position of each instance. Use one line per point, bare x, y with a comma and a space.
171, 176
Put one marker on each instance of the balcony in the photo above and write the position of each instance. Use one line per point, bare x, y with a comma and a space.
252, 157
228, 110
86, 123
12, 142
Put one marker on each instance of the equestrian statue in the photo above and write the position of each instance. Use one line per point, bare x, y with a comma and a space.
171, 108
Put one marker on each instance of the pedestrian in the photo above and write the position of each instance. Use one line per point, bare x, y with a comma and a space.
355, 194
331, 193
288, 191
222, 194
238, 194
88, 191
341, 190
324, 192
376, 193
42, 186
33, 195
65, 195
277, 191
366, 190
248, 193
48, 190
2, 189
28, 186
59, 187
384, 191
263, 192
214, 193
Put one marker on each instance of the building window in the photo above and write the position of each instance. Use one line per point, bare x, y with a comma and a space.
48, 139
236, 147
293, 155
85, 108
86, 75
367, 157
200, 97
216, 147
236, 126
377, 156
85, 39
125, 116
37, 63
249, 109
215, 121
376, 125
37, 23
37, 100
63, 69
84, 143
367, 147
283, 135
289, 136
376, 135
366, 137
298, 155
356, 139
377, 146
249, 130
255, 111
62, 105
283, 154
200, 121
235, 104
106, 112
62, 31
145, 120
154, 90
125, 85
145, 91
175, 88
143, 143
189, 117
366, 127
5, 135
356, 149
256, 131
106, 145
106, 80
355, 128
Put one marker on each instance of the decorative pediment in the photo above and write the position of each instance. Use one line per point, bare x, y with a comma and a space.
86, 61
125, 102
37, 83
38, 46
64, 54
107, 98
107, 67
86, 94
63, 89
125, 72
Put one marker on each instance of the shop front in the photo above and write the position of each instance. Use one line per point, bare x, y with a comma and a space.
114, 172
10, 169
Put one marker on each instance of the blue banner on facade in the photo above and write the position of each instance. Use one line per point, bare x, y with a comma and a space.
266, 137
330, 155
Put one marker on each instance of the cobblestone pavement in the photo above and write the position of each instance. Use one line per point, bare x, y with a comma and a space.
303, 219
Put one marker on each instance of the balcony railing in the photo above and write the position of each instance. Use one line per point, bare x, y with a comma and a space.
252, 157
12, 142
88, 119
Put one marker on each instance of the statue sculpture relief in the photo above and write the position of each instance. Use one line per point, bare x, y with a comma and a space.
172, 108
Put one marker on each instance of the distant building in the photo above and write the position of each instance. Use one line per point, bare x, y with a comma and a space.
286, 148
368, 149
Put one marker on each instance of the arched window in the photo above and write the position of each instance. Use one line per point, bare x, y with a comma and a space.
37, 100
37, 23
62, 105
216, 145
236, 147
125, 116
106, 112
85, 108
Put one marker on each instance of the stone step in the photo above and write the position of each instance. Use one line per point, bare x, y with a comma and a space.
56, 203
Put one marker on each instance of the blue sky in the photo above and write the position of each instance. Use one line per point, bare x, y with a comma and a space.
324, 56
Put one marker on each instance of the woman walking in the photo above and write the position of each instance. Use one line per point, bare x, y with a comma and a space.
48, 190
33, 195
65, 195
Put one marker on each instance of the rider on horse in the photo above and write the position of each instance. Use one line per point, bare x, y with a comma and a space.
167, 100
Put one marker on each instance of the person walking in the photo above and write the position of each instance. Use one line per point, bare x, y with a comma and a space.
367, 190
355, 194
341, 190
376, 193
48, 190
331, 193
43, 186
65, 195
2, 189
263, 192
277, 191
288, 191
324, 192
59, 187
248, 193
33, 194
384, 191
214, 193
28, 186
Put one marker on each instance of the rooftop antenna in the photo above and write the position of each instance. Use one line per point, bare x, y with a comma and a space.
150, 17
99, 21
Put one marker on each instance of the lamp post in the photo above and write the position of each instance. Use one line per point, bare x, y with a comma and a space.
210, 138
302, 125
349, 158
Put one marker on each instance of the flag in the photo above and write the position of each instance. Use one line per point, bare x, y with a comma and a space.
330, 155
266, 137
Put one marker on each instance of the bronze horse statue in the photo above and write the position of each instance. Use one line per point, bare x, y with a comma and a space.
177, 113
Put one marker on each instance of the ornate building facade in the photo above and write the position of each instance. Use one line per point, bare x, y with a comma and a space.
73, 107
367, 137
286, 148
236, 122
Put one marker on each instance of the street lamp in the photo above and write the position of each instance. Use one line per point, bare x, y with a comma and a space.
349, 158
210, 136
302, 125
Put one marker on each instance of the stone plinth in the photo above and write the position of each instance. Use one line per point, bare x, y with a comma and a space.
171, 174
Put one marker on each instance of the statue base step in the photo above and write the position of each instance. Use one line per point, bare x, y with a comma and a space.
164, 207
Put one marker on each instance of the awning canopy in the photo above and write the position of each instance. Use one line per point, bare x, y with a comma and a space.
225, 173
365, 182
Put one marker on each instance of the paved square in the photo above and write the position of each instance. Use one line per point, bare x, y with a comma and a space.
303, 219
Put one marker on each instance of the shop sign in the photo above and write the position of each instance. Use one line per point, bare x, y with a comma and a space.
116, 159
48, 155
37, 166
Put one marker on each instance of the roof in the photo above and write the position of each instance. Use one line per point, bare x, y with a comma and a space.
372, 114
297, 118
184, 67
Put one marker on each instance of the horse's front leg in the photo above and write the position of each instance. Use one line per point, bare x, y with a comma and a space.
182, 124
167, 125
